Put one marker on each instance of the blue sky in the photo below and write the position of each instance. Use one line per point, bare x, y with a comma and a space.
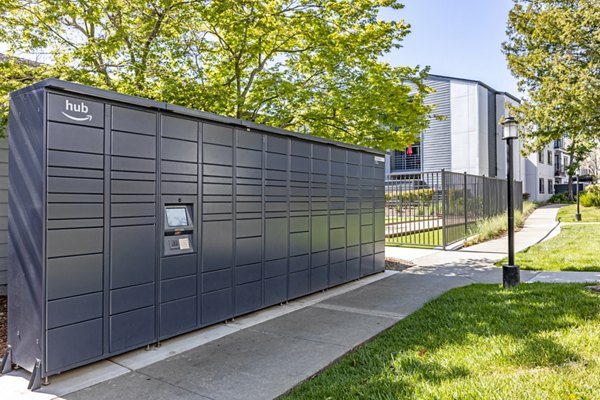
460, 38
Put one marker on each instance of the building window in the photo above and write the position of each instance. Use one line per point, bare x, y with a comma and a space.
550, 189
541, 157
541, 185
549, 157
407, 160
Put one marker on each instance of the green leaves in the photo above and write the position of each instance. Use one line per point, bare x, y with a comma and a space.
553, 48
306, 65
311, 66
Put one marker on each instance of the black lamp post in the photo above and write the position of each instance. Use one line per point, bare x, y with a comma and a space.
578, 214
510, 272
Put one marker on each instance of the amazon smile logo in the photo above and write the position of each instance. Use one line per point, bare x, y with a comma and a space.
77, 108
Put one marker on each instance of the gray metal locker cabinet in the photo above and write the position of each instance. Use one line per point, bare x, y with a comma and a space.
277, 219
319, 193
337, 218
3, 215
132, 243
179, 189
249, 231
132, 221
299, 277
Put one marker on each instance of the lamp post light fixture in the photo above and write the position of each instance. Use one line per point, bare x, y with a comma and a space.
510, 272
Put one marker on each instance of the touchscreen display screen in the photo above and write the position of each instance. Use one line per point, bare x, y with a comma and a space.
177, 217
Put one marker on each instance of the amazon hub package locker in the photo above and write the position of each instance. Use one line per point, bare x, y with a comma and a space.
132, 221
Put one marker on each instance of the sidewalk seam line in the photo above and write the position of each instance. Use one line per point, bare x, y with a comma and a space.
343, 346
361, 311
534, 276
120, 365
174, 385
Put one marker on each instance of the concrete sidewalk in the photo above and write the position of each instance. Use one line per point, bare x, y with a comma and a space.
264, 354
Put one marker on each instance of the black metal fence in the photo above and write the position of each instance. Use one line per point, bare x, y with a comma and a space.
437, 209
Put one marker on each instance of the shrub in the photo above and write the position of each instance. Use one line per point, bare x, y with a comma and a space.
590, 196
493, 227
560, 198
526, 196
585, 199
411, 195
593, 189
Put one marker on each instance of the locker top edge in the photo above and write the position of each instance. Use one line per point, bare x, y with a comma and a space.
102, 94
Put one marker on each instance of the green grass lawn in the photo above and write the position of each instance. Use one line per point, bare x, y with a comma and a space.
576, 248
431, 238
588, 214
536, 341
428, 238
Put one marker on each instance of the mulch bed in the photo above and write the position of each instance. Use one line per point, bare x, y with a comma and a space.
3, 334
397, 264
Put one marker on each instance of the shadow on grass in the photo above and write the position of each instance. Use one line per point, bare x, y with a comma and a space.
430, 370
414, 351
537, 352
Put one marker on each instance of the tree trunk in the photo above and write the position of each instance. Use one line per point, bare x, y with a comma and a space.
571, 168
570, 187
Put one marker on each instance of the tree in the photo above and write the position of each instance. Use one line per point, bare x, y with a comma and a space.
306, 65
115, 44
14, 74
553, 49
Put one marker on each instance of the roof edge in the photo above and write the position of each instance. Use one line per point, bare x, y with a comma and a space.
485, 85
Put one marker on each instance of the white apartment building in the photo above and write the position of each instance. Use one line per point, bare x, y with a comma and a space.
539, 174
469, 139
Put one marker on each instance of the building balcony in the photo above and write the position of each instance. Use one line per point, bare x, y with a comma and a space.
560, 172
402, 161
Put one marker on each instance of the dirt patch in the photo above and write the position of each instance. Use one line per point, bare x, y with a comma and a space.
397, 264
3, 325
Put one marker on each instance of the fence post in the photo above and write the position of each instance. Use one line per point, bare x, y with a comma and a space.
484, 196
444, 208
465, 200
